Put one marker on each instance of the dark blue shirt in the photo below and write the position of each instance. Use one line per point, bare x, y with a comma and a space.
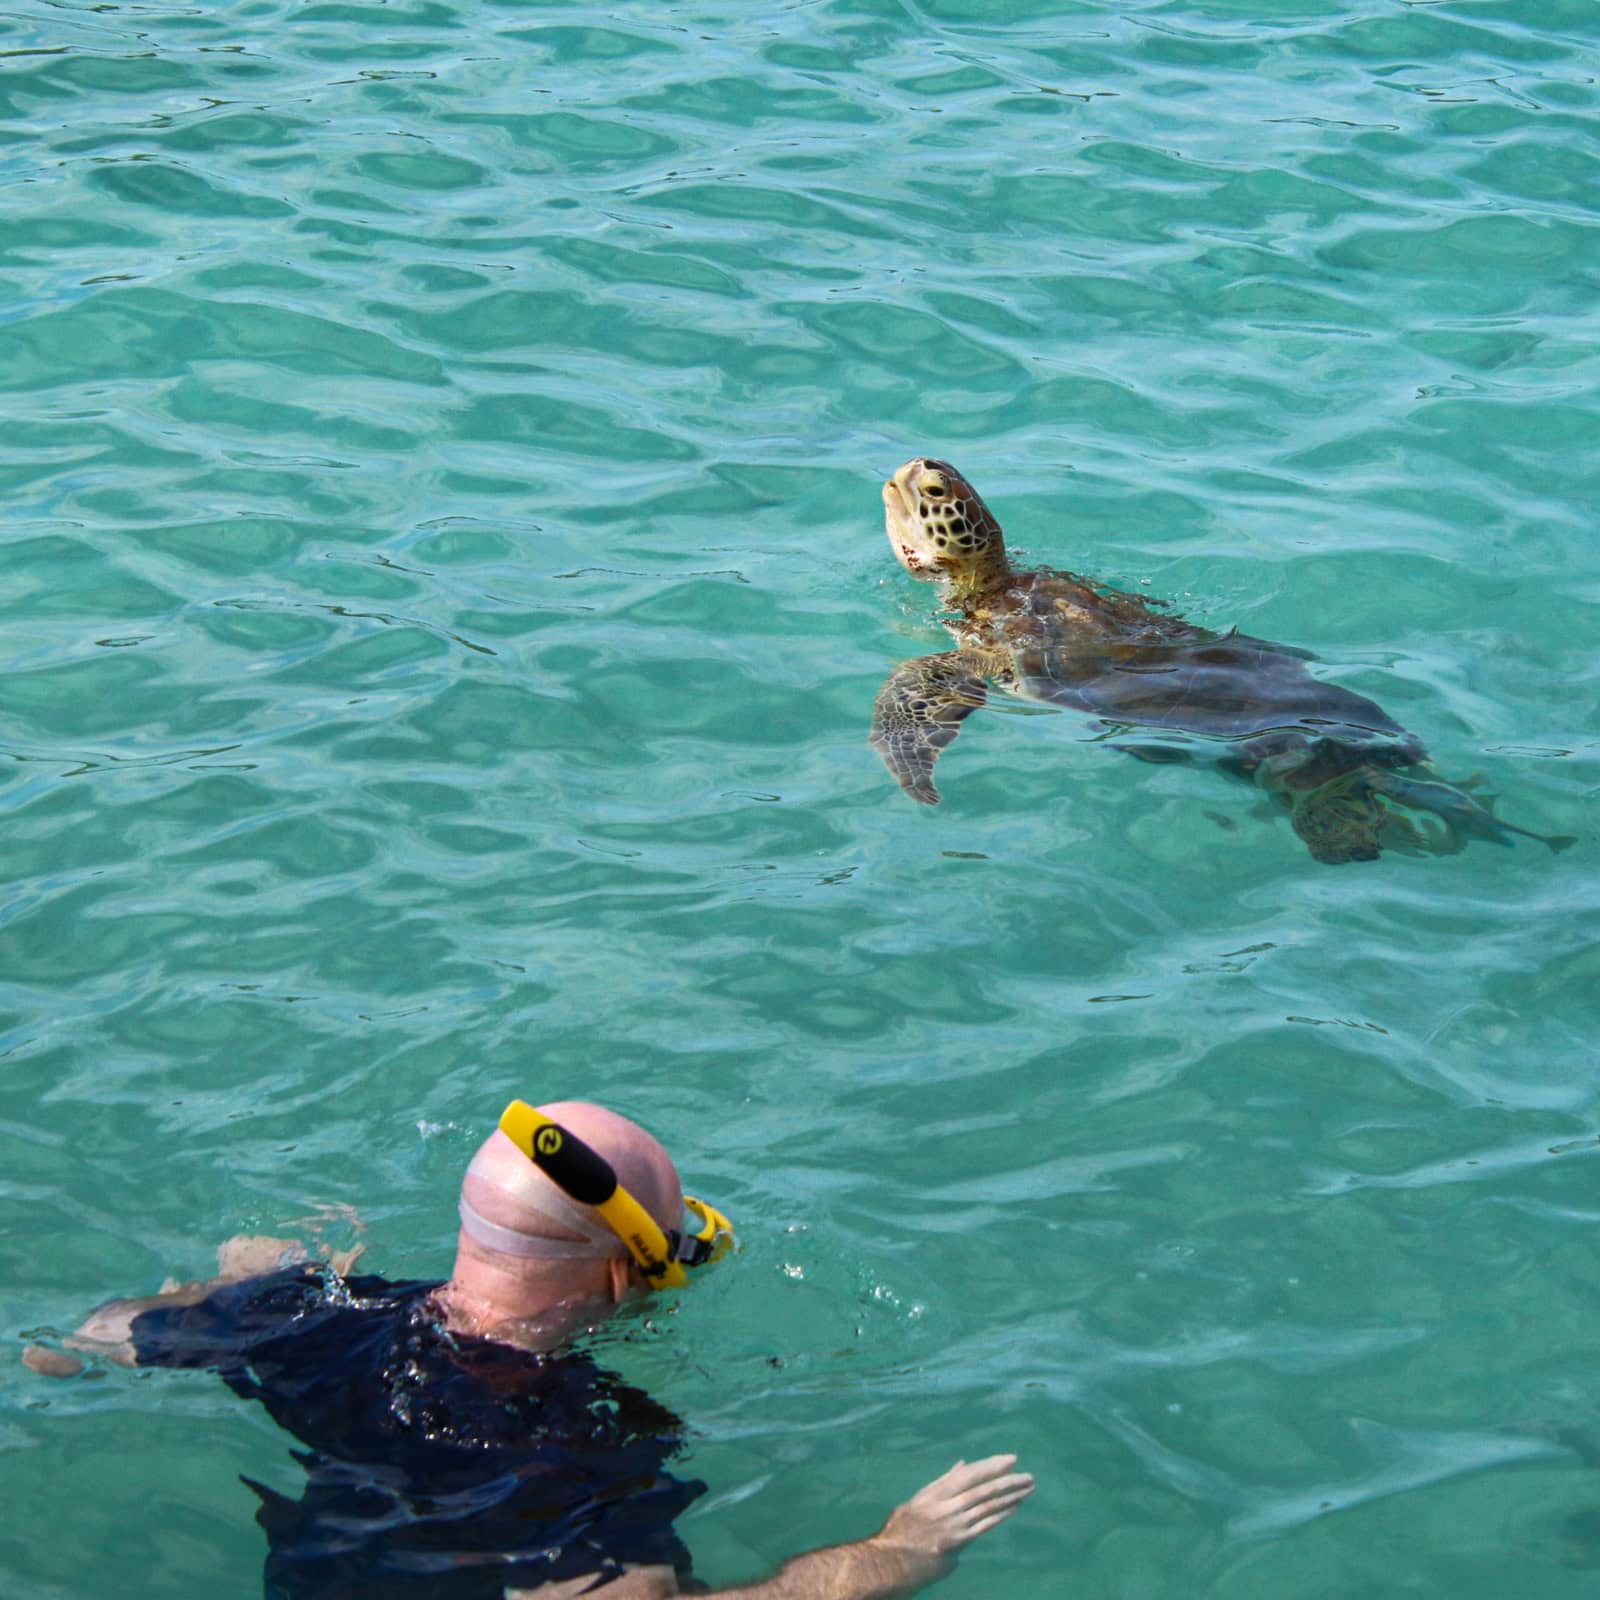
439, 1466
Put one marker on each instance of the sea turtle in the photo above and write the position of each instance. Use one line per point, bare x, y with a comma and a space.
1335, 760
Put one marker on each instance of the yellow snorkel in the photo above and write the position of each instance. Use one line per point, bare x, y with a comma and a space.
582, 1173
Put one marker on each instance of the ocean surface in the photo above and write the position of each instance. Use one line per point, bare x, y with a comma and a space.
444, 593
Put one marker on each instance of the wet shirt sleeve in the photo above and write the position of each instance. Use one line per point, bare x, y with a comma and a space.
227, 1329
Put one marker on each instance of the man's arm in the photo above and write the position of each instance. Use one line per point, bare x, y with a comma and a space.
917, 1545
107, 1331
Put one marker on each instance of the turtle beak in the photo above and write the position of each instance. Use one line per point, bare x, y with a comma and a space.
898, 494
898, 504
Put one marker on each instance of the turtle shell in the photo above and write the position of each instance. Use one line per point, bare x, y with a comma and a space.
1255, 694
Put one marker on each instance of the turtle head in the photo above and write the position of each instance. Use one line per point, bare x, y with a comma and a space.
938, 527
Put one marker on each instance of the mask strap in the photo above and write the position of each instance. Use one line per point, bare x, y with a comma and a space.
534, 1192
533, 1246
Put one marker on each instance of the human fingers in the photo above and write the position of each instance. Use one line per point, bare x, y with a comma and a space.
247, 1255
967, 1474
949, 1487
959, 1504
993, 1520
991, 1511
978, 1481
343, 1260
999, 1488
1010, 1490
50, 1363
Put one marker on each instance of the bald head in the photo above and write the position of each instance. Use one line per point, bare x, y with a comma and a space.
509, 1207
533, 1266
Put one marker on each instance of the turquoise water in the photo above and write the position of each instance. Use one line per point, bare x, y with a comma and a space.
444, 598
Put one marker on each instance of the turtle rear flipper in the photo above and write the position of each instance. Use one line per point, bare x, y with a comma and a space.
919, 710
1339, 821
1464, 815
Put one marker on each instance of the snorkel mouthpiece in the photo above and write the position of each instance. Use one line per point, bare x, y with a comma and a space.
712, 1240
583, 1174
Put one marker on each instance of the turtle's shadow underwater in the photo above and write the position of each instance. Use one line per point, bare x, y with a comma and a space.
1341, 767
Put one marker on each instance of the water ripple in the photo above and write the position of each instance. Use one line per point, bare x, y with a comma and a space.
445, 598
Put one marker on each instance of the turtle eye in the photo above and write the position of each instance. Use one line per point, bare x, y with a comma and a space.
934, 491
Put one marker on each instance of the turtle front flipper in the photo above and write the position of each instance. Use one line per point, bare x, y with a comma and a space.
919, 710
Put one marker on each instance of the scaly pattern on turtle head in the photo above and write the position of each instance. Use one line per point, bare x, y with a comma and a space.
938, 526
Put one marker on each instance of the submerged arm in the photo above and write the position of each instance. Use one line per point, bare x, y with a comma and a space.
916, 1546
107, 1331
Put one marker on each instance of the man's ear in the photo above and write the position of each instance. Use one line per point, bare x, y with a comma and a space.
621, 1278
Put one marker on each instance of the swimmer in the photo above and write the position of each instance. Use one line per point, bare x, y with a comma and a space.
458, 1446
